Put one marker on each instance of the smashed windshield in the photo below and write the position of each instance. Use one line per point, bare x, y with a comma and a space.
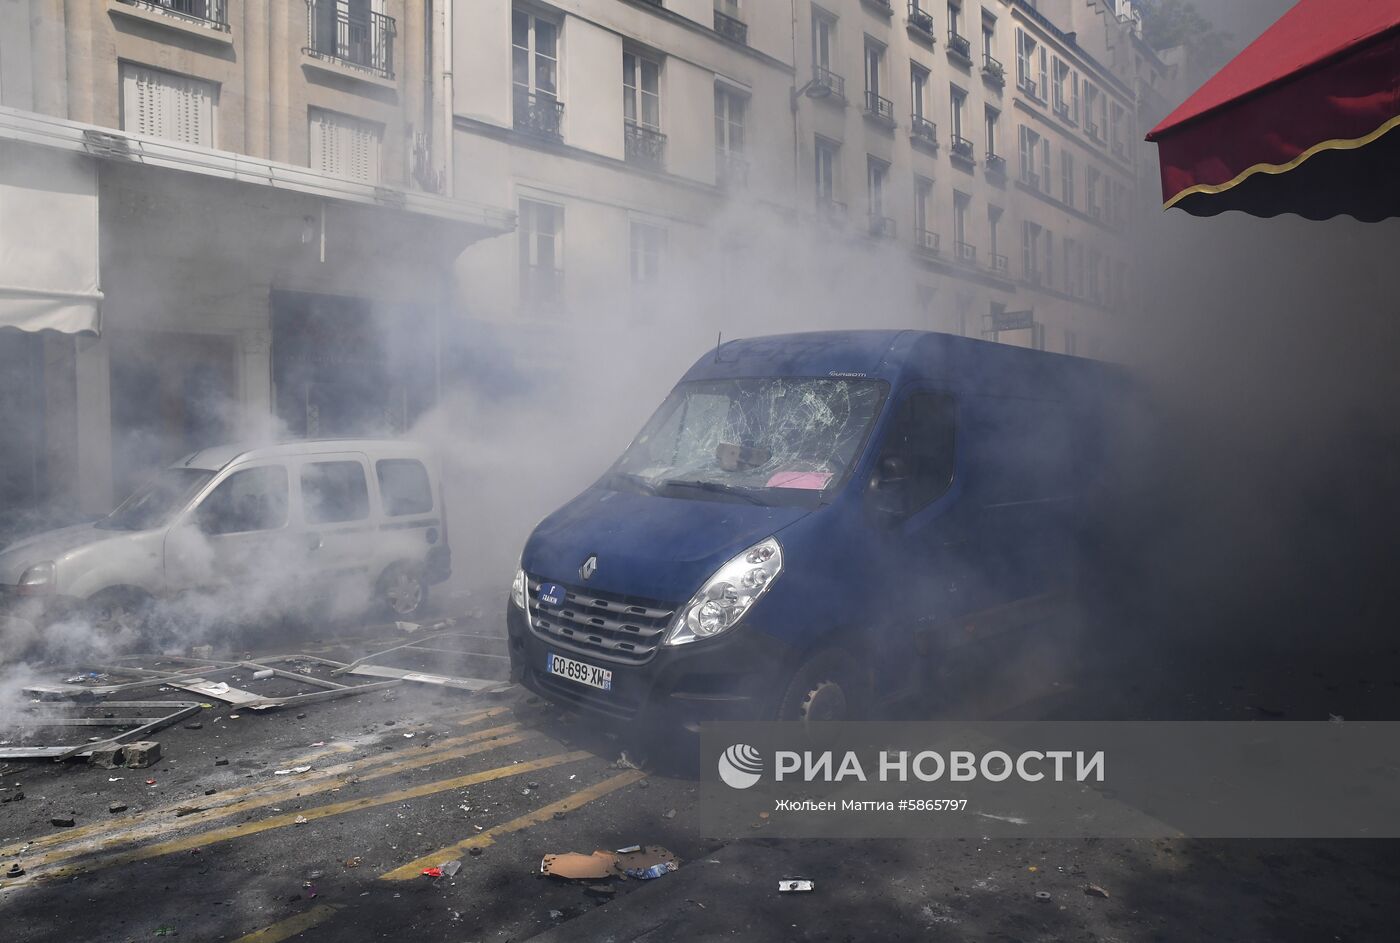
155, 502
764, 440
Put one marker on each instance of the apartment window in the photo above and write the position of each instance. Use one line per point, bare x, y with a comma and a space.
343, 146
918, 90
876, 173
955, 19
1095, 276
993, 118
957, 99
648, 244
823, 39
166, 105
1091, 191
1066, 176
641, 90
826, 171
1030, 143
1060, 89
534, 70
541, 229
989, 37
1030, 65
1030, 252
731, 108
1115, 128
923, 213
1094, 117
1109, 193
875, 101
1072, 269
962, 205
994, 214
1049, 239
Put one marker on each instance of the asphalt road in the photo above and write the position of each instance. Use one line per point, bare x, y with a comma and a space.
416, 775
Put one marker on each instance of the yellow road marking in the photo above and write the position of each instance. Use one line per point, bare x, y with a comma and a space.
164, 827
285, 929
584, 796
269, 792
205, 839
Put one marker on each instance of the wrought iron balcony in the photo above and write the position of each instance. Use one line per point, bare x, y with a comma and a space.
881, 109
645, 146
960, 148
923, 132
540, 114
992, 70
959, 47
336, 32
920, 21
731, 27
996, 164
1031, 180
1062, 112
926, 241
205, 12
999, 263
1028, 86
1093, 131
834, 84
880, 6
731, 170
965, 252
882, 227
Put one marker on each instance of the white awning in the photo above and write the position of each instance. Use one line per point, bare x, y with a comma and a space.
48, 240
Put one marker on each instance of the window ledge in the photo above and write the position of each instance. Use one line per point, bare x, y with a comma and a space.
348, 70
188, 25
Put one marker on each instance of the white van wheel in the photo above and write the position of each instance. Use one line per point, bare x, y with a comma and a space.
116, 613
403, 590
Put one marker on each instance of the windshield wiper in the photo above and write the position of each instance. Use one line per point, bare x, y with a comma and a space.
715, 487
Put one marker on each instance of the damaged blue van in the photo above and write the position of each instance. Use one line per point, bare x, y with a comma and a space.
812, 525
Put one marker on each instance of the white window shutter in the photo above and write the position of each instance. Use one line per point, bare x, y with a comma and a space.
165, 105
344, 146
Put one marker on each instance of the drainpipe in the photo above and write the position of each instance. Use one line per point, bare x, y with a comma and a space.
448, 105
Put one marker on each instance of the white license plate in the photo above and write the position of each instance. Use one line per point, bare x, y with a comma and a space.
591, 675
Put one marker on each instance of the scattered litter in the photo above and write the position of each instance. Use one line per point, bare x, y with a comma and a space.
165, 931
116, 807
185, 810
150, 782
300, 820
1336, 718
115, 779
625, 762
263, 675
289, 772
319, 743
353, 862
670, 814
556, 915
432, 872
450, 868
15, 871
61, 822
407, 626
222, 761
574, 866
474, 851
1042, 896
798, 885
1093, 890
629, 849
524, 792
655, 871
408, 736
194, 726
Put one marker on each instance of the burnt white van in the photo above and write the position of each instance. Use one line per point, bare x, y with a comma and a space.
248, 530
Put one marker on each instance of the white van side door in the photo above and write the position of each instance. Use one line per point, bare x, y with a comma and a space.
339, 522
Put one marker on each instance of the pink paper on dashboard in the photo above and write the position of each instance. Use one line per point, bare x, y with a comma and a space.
811, 481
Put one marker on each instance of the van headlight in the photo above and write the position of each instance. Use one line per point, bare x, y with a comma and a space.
37, 580
517, 589
727, 595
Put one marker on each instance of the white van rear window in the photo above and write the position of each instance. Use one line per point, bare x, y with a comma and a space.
334, 491
404, 486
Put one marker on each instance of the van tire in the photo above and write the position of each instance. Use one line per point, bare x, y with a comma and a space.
825, 687
403, 591
119, 612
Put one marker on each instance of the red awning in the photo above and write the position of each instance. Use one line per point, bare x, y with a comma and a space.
1299, 122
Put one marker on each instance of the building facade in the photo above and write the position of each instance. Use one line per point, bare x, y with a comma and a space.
271, 243
991, 148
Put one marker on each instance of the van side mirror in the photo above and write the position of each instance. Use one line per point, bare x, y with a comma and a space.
889, 487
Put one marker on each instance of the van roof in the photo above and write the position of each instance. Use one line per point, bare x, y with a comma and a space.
217, 456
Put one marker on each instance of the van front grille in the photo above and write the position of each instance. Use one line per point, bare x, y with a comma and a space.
622, 629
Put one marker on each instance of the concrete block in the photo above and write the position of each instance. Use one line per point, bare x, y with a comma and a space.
142, 753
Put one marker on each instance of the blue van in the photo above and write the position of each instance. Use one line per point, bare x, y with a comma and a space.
812, 525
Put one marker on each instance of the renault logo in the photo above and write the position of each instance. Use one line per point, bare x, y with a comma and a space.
590, 566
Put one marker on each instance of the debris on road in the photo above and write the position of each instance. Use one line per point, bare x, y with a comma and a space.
574, 866
62, 822
107, 714
433, 872
353, 862
1093, 890
292, 770
116, 807
795, 885
450, 868
655, 871
15, 871
1042, 896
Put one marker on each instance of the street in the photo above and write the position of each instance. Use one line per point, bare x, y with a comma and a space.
221, 847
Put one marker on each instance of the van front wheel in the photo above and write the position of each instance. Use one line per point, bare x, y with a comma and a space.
826, 687
403, 591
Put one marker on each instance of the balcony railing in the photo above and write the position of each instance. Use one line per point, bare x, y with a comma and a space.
926, 241
920, 21
540, 114
960, 47
996, 164
881, 227
205, 12
833, 211
1062, 112
731, 27
645, 146
1031, 180
1093, 131
731, 170
1028, 86
366, 40
923, 132
961, 148
999, 263
992, 70
881, 109
834, 84
965, 252
880, 6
